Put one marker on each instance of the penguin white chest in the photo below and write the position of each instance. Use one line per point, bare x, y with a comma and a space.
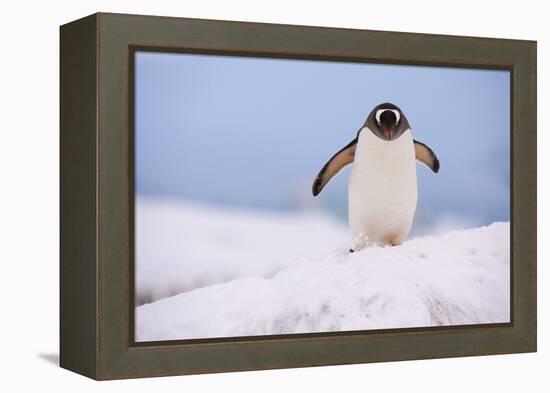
382, 190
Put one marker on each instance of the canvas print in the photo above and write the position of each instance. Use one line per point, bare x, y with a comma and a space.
288, 196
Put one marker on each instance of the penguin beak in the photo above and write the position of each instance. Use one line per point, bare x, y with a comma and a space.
388, 124
389, 133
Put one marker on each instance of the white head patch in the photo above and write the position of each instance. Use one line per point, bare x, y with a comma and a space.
380, 111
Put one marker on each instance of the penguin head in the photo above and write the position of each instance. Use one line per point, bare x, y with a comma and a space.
387, 122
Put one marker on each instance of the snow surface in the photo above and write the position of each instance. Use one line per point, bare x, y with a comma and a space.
182, 245
461, 277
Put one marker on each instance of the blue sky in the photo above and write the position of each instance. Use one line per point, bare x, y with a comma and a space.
254, 132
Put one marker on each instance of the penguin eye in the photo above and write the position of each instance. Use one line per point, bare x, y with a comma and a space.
397, 116
380, 111
377, 116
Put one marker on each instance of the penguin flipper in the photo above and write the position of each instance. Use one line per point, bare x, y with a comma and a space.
344, 157
426, 156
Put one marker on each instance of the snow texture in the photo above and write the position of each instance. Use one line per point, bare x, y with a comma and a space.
458, 278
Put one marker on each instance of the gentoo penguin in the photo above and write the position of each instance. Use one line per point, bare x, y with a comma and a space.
382, 191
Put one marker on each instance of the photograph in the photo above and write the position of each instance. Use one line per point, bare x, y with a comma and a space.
277, 196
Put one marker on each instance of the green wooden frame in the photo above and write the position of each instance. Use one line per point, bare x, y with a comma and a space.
97, 196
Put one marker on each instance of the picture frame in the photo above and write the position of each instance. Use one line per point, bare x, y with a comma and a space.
97, 183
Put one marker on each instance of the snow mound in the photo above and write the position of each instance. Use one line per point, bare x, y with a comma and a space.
458, 278
183, 245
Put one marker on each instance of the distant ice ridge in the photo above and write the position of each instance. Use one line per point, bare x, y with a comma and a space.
461, 277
